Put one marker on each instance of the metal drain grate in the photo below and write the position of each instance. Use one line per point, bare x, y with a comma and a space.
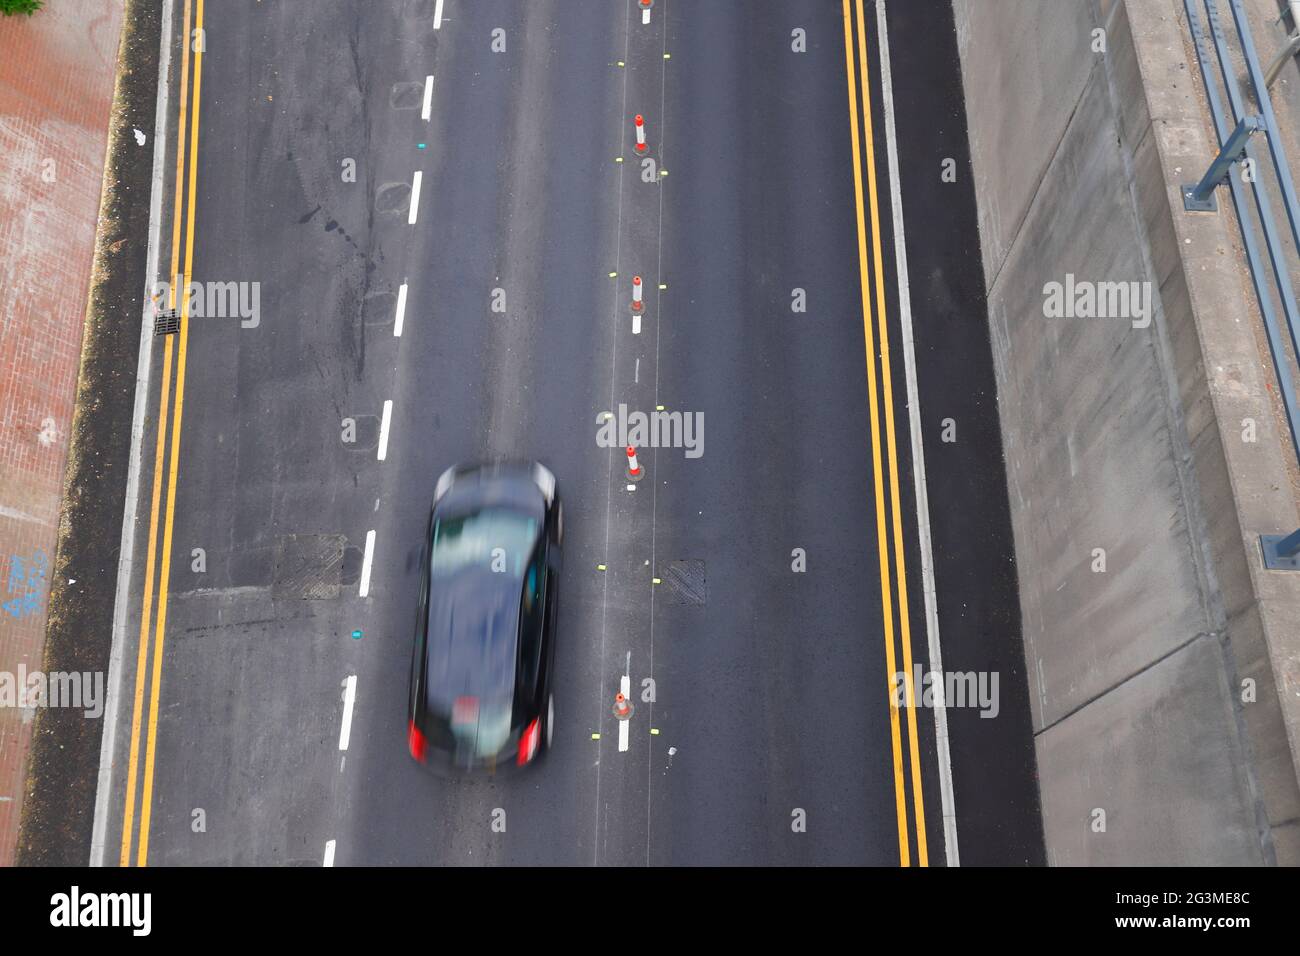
167, 323
686, 582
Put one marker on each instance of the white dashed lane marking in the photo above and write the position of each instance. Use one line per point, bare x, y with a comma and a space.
366, 562
383, 429
415, 198
349, 698
401, 311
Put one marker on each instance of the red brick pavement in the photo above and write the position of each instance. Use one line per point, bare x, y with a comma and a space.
56, 89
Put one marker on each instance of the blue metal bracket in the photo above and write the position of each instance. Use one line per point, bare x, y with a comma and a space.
1281, 552
1199, 197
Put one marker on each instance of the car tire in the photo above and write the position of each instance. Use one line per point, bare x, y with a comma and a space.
550, 719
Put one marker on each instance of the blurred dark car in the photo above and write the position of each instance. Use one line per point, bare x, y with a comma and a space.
481, 696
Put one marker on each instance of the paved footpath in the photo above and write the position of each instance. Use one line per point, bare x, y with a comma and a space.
56, 90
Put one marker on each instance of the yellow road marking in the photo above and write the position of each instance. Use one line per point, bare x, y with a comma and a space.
128, 815
128, 819
160, 632
180, 158
900, 798
904, 623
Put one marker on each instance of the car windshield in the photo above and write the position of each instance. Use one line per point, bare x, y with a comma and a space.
492, 540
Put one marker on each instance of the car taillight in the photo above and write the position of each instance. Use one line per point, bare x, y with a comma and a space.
528, 742
416, 741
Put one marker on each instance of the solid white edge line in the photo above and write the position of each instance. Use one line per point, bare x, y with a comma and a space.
383, 429
365, 563
437, 16
401, 312
415, 198
918, 450
329, 853
349, 698
427, 109
121, 598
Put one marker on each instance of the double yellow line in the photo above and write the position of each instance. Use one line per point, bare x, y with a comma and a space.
860, 78
160, 454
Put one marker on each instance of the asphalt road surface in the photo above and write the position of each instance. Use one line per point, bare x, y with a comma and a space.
757, 589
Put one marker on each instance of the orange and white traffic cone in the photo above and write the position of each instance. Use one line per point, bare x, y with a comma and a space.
622, 707
639, 122
637, 305
634, 471
645, 9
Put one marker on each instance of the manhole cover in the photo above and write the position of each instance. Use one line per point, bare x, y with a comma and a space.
686, 582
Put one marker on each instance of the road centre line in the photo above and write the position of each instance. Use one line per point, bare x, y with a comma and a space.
437, 16
886, 594
329, 853
895, 507
164, 576
427, 109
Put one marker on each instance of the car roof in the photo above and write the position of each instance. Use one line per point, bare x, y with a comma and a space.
473, 615
473, 637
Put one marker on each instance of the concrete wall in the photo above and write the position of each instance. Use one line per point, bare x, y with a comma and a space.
1129, 440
